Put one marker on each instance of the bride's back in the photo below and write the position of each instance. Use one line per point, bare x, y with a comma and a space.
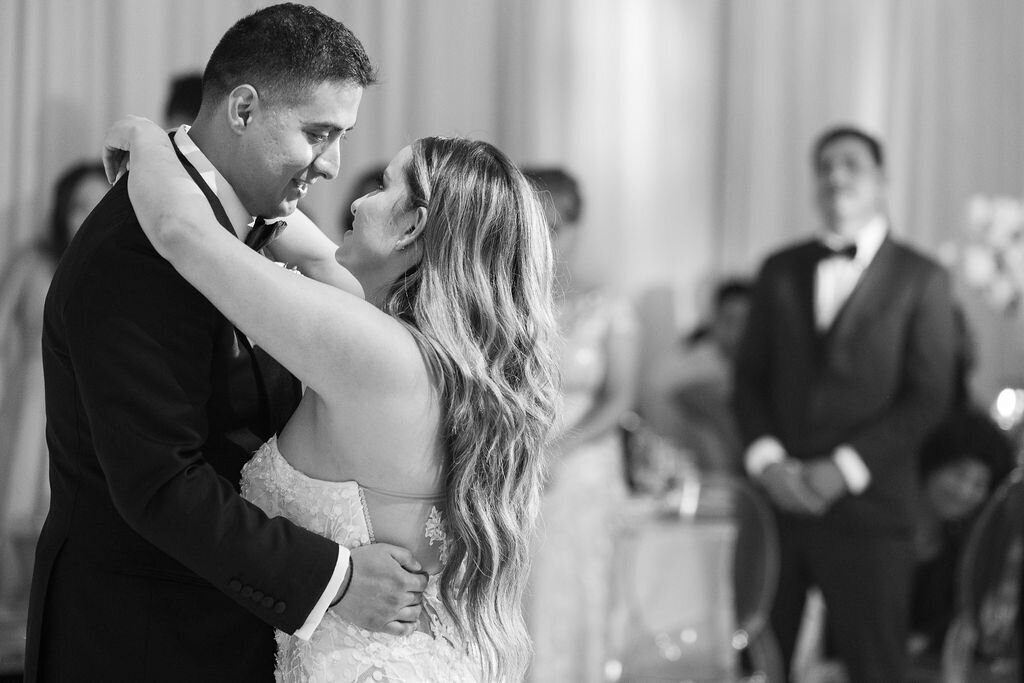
385, 435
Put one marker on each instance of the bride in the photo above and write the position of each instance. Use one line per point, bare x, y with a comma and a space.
429, 388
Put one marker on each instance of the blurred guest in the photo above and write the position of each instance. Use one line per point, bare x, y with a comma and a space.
961, 463
567, 597
845, 366
24, 484
183, 99
703, 379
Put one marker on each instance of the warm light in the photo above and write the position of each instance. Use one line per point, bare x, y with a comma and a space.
1008, 408
612, 670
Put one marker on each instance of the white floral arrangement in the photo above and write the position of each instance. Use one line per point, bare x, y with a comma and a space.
991, 260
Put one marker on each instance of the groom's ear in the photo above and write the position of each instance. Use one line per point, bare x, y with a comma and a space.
242, 104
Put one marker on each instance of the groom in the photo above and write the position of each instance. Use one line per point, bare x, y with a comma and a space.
150, 566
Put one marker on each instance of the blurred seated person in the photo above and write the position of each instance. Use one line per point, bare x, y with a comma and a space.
695, 383
567, 598
24, 480
960, 465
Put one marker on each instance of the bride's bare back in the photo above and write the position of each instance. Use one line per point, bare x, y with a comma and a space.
385, 436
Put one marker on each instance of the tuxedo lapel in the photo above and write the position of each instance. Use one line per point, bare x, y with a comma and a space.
218, 208
870, 295
804, 293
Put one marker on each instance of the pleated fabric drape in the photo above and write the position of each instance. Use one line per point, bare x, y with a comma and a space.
687, 122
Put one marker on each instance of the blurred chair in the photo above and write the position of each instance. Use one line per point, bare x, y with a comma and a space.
693, 579
983, 642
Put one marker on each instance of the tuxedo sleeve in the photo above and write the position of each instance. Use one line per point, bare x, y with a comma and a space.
752, 372
926, 386
141, 340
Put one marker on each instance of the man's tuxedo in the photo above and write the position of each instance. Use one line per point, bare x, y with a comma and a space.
150, 566
878, 379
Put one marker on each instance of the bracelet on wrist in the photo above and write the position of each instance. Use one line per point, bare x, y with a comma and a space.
347, 584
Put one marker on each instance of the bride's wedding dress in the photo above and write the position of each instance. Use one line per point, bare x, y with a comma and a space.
338, 650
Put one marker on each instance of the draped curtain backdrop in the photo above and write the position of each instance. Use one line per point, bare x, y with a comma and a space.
688, 122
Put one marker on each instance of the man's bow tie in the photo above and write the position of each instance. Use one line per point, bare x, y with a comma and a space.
848, 251
263, 233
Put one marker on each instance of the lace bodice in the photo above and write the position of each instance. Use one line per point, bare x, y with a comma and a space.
338, 650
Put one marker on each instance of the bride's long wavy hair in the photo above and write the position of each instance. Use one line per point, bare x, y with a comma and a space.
479, 303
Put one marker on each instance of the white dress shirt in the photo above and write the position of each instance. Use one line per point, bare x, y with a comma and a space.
242, 221
837, 276
834, 281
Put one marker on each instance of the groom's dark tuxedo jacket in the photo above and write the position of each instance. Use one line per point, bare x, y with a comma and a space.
879, 379
150, 566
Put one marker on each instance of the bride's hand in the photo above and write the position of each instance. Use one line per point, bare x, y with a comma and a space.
125, 134
166, 201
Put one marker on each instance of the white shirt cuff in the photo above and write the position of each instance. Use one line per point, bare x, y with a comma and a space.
320, 609
763, 452
854, 471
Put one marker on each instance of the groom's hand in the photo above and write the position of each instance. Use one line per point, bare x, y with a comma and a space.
385, 589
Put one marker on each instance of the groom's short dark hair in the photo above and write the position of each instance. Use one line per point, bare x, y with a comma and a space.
285, 51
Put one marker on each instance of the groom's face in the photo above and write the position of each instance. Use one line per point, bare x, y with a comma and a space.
286, 147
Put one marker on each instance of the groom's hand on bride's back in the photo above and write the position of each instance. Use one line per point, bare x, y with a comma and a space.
384, 591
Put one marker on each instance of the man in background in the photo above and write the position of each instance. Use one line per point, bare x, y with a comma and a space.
845, 366
183, 100
702, 381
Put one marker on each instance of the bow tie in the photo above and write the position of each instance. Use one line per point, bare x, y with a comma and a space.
846, 252
263, 233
